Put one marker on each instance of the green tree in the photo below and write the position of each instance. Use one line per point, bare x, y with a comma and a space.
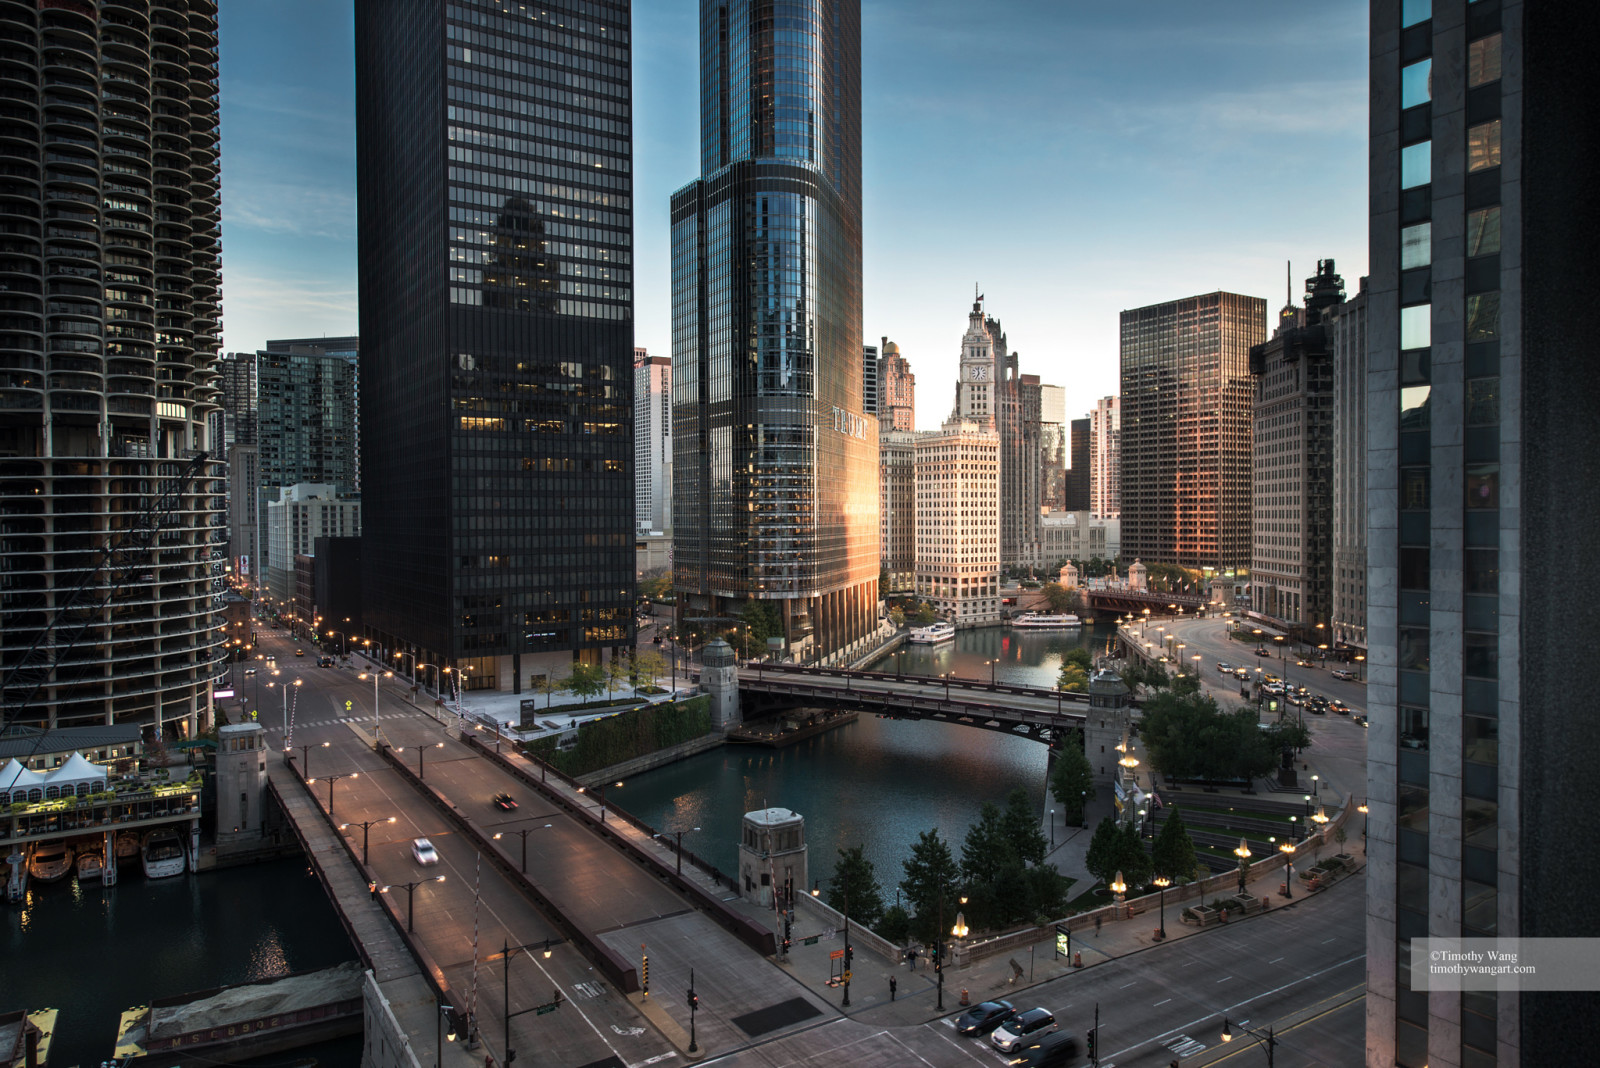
1057, 597
1020, 826
549, 685
924, 615
1104, 850
1047, 892
619, 671
586, 680
985, 850
1072, 779
761, 621
648, 666
1075, 668
1011, 899
930, 874
1185, 684
1132, 860
895, 925
854, 879
897, 616
1173, 854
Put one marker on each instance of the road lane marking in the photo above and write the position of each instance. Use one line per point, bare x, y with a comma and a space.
1274, 960
1325, 941
1163, 1001
1125, 986
1224, 979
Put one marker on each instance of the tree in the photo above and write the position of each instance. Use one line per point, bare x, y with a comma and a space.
985, 850
854, 879
619, 671
648, 665
761, 621
930, 874
1020, 826
1104, 851
1072, 779
1132, 860
897, 616
1173, 854
656, 586
924, 615
586, 680
1075, 668
1057, 597
549, 685
1047, 892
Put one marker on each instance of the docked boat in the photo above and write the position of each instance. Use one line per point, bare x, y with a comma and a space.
1043, 621
50, 862
91, 864
128, 846
163, 854
933, 634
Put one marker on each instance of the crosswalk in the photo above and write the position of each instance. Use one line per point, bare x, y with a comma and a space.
1184, 1046
336, 720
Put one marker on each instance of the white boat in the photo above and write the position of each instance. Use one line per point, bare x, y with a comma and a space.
1042, 621
50, 861
163, 855
933, 634
90, 864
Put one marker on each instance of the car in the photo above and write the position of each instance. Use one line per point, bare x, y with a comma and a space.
1051, 1051
1272, 689
423, 853
1270, 677
299, 652
1262, 652
324, 661
505, 802
1224, 667
1294, 698
1024, 1025
1339, 708
1242, 674
1304, 663
1362, 720
272, 658
1317, 708
249, 671
984, 1017
1341, 673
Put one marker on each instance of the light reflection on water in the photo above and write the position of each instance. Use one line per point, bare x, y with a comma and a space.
877, 782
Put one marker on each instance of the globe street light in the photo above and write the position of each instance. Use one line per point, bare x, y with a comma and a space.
1287, 849
1242, 851
1162, 882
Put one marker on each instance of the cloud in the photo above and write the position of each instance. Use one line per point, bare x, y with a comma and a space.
302, 210
258, 306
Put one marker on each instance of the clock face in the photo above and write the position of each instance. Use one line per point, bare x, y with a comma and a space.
980, 373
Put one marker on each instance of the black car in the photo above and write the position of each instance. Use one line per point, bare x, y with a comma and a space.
1051, 1051
984, 1017
505, 802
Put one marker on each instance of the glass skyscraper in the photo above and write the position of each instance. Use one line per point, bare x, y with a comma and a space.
494, 153
775, 492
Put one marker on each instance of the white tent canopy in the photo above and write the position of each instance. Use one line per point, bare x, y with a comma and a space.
77, 776
14, 777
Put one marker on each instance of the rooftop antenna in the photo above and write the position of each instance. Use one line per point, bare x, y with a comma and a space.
1288, 283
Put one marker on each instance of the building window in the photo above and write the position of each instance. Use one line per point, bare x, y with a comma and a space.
1416, 244
1483, 232
1415, 11
1483, 146
1483, 61
1416, 84
1416, 163
1416, 326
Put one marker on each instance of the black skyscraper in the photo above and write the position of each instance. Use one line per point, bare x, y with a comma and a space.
494, 154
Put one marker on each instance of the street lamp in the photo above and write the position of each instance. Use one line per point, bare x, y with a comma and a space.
366, 827
422, 756
505, 1002
1118, 887
1196, 658
375, 676
333, 779
1262, 1038
679, 847
1362, 808
1287, 849
305, 756
1243, 853
524, 832
284, 689
1361, 668
439, 1036
991, 664
1162, 882
411, 894
601, 789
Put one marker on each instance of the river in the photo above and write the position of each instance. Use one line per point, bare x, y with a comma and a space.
876, 782
93, 952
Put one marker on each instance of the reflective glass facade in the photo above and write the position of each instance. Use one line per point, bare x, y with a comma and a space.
775, 477
495, 194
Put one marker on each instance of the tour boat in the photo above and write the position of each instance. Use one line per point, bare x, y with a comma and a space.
90, 864
1041, 621
933, 634
50, 862
163, 855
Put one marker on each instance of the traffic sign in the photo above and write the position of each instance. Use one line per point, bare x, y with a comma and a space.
551, 1007
847, 977
809, 941
837, 954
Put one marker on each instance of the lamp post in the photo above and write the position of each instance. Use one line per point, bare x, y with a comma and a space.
1263, 1038
991, 664
411, 895
284, 688
1052, 829
1287, 849
1162, 882
333, 779
678, 847
422, 755
938, 952
507, 949
600, 788
305, 756
1196, 658
376, 675
845, 1004
438, 1037
1361, 668
524, 832
1362, 808
1177, 654
366, 827
1242, 851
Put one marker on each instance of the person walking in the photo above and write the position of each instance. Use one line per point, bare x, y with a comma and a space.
891, 988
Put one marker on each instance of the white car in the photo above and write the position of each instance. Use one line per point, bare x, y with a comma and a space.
1035, 1023
422, 851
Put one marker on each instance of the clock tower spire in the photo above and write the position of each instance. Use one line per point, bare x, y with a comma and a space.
975, 392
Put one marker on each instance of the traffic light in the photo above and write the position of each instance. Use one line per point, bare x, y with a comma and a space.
938, 957
694, 1001
1089, 1039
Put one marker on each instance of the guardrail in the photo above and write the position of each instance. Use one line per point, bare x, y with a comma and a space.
751, 934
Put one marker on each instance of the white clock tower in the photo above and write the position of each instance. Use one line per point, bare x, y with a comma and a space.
975, 393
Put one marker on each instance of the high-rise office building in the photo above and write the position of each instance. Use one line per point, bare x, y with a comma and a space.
897, 510
958, 521
1186, 429
108, 353
1053, 454
349, 348
898, 406
871, 381
1079, 479
1348, 328
1105, 458
495, 250
1291, 494
775, 494
652, 441
1483, 445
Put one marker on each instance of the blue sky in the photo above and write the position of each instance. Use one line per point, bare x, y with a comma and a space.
1072, 158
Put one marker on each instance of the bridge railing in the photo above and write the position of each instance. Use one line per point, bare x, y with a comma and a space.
762, 668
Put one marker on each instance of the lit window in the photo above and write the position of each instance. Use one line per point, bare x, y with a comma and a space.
1483, 61
1483, 146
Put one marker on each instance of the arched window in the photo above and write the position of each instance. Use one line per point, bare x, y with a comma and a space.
52, 792
35, 794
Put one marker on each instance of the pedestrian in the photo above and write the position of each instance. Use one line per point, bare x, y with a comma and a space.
1097, 921
891, 988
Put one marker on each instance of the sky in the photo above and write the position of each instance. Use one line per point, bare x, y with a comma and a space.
1070, 158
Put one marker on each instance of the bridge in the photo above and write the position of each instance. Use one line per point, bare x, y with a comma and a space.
1120, 599
1026, 711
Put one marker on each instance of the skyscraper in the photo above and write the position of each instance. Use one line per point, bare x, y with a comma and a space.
108, 353
495, 249
871, 381
1105, 458
898, 406
1186, 429
1348, 322
1079, 477
1483, 452
1052, 451
775, 493
652, 441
